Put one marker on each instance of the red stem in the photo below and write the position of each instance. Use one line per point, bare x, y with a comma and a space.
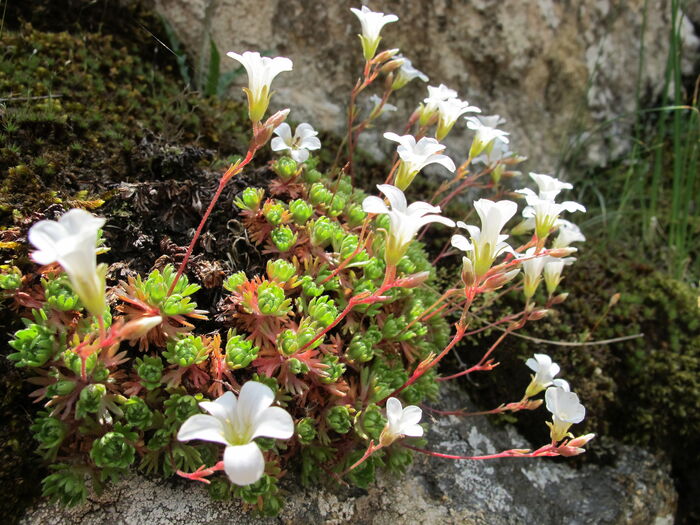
547, 450
233, 170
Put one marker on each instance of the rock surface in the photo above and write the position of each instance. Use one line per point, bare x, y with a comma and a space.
557, 71
636, 489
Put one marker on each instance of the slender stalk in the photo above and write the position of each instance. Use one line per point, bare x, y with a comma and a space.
482, 365
547, 450
230, 172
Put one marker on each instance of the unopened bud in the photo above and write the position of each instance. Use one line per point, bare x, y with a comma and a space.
562, 252
614, 300
263, 133
385, 55
392, 65
413, 280
536, 315
140, 327
560, 298
498, 280
468, 275
581, 440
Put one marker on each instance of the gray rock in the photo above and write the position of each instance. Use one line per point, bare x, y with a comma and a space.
561, 73
636, 489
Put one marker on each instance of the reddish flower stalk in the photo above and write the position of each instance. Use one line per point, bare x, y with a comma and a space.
545, 451
484, 364
233, 170
201, 473
371, 449
525, 404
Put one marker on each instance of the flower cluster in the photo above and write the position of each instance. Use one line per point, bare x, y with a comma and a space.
313, 359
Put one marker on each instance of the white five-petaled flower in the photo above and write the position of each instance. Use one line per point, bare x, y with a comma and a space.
415, 156
533, 265
406, 73
303, 141
378, 107
542, 208
405, 221
400, 422
545, 370
552, 272
71, 242
486, 133
568, 233
448, 112
487, 243
566, 410
236, 423
372, 23
261, 71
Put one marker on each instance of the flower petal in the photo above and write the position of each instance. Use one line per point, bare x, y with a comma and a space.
201, 426
411, 415
244, 464
396, 197
274, 422
284, 132
253, 399
278, 144
393, 411
223, 408
374, 204
413, 431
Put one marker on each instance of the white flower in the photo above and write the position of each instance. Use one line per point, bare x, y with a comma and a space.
552, 272
549, 187
448, 112
261, 71
372, 24
406, 73
416, 156
532, 269
542, 208
568, 233
71, 242
545, 370
236, 423
486, 133
405, 220
400, 422
487, 243
377, 108
304, 139
566, 410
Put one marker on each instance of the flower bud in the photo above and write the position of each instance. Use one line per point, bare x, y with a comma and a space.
559, 298
140, 327
536, 315
468, 275
498, 280
386, 55
562, 252
262, 134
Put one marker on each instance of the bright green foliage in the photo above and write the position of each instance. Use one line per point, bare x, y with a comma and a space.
179, 407
301, 211
156, 287
271, 299
239, 352
372, 422
150, 371
274, 213
283, 238
11, 279
338, 419
113, 451
310, 288
280, 270
233, 282
312, 175
355, 215
287, 342
49, 432
306, 430
188, 351
322, 231
364, 474
319, 194
398, 459
250, 493
250, 199
35, 345
66, 486
297, 367
219, 489
334, 371
90, 400
59, 294
336, 205
322, 310
360, 349
137, 413
285, 167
